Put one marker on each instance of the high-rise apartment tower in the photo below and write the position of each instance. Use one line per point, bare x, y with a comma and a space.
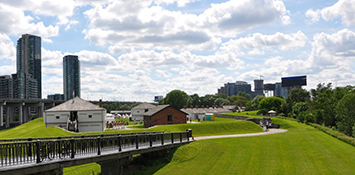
71, 76
28, 78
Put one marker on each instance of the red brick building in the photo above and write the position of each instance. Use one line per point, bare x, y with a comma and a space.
164, 115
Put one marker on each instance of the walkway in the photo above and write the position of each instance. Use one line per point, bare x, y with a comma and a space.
271, 131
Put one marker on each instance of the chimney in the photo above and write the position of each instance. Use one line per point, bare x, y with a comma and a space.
100, 103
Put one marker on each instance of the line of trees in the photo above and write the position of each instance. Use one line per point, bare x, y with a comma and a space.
324, 105
334, 108
178, 99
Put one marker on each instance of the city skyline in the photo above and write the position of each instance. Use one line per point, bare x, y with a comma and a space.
135, 50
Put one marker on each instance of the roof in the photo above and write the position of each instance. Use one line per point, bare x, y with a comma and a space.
144, 106
157, 109
204, 110
76, 104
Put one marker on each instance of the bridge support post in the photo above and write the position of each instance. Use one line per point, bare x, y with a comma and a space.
114, 167
1, 115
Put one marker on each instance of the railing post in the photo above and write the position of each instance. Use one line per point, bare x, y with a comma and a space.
180, 136
29, 150
38, 149
162, 139
172, 138
119, 143
72, 148
98, 145
136, 141
150, 140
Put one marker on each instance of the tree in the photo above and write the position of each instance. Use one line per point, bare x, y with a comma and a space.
245, 95
208, 100
345, 114
255, 102
271, 103
176, 99
295, 96
194, 100
221, 101
298, 109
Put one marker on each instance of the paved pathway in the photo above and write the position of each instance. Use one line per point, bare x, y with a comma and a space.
271, 131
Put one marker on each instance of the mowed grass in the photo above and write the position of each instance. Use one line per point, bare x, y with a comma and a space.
36, 128
301, 150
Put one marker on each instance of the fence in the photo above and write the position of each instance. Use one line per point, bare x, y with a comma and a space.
17, 153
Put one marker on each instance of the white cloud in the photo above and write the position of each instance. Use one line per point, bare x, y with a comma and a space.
7, 48
333, 49
145, 24
14, 22
259, 43
343, 9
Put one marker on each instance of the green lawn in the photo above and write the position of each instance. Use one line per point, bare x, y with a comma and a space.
301, 150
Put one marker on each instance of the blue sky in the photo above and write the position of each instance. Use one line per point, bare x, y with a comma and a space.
132, 50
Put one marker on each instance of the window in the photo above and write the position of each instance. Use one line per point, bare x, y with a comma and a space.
137, 111
57, 117
146, 110
90, 116
170, 119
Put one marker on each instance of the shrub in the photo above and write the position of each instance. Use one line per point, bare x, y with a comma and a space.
309, 118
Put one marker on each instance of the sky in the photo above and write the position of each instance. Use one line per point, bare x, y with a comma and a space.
133, 50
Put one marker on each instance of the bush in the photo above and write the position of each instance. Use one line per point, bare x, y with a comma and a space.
301, 116
262, 112
309, 118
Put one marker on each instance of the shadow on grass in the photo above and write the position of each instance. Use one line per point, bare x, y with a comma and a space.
147, 165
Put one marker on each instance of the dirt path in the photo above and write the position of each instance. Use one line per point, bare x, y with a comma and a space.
271, 131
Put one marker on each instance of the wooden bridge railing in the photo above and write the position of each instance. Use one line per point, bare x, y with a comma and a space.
27, 152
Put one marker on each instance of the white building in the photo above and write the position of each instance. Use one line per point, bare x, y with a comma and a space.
138, 111
89, 117
200, 113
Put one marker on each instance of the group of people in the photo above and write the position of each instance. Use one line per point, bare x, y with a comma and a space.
116, 124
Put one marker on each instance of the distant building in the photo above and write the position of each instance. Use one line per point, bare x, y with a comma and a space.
280, 91
24, 86
6, 87
157, 98
71, 77
29, 68
138, 111
164, 115
231, 89
259, 86
55, 96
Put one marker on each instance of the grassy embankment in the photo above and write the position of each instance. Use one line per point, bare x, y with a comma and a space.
301, 150
36, 128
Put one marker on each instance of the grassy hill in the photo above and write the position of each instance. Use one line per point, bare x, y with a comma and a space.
301, 150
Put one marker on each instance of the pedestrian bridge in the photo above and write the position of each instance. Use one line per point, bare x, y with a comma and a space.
50, 155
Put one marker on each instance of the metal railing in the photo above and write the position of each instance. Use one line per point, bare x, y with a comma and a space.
76, 136
17, 153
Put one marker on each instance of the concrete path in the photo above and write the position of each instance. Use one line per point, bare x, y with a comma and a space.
271, 131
